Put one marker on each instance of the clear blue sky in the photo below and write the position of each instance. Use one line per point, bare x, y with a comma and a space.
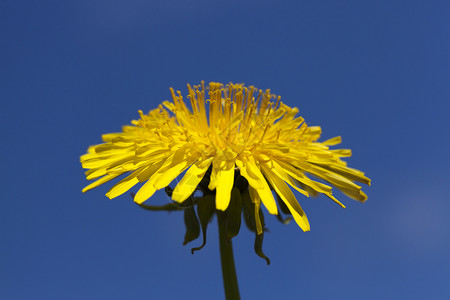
375, 72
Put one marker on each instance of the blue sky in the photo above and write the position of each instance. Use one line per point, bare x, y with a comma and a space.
375, 72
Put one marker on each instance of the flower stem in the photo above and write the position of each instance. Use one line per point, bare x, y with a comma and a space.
230, 282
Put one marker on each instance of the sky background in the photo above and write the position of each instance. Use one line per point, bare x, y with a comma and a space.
375, 72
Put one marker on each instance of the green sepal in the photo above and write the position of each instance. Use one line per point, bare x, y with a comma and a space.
258, 247
205, 209
167, 207
283, 206
192, 225
260, 237
168, 191
248, 211
240, 182
285, 221
234, 212
261, 218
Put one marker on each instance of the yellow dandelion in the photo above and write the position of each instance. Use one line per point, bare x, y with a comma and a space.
228, 129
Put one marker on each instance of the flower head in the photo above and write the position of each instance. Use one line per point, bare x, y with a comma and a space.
228, 131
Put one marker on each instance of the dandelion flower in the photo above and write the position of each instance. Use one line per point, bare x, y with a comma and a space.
225, 130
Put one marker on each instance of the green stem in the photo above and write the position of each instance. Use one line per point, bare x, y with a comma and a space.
230, 282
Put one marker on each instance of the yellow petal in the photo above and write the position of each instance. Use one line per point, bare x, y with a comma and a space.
250, 171
317, 186
189, 182
115, 167
145, 192
99, 182
123, 185
149, 171
257, 201
298, 175
259, 228
343, 184
169, 170
347, 172
165, 178
333, 141
213, 179
98, 162
253, 194
225, 180
280, 173
288, 198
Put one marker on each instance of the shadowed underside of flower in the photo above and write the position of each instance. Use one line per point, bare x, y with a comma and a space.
226, 130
